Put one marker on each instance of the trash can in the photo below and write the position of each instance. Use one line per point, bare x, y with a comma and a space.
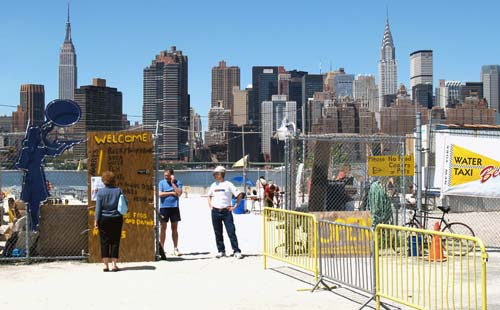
240, 209
415, 246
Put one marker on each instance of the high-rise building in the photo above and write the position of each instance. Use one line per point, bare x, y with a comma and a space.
223, 80
264, 85
311, 84
490, 76
342, 84
473, 111
31, 107
102, 110
448, 93
273, 113
67, 66
218, 122
471, 89
365, 91
239, 114
421, 68
422, 94
387, 69
5, 123
167, 101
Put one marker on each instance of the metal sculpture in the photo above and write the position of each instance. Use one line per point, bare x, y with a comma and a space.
36, 146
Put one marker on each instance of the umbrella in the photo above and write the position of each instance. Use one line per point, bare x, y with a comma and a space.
239, 179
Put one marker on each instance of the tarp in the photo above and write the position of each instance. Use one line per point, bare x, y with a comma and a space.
239, 179
468, 165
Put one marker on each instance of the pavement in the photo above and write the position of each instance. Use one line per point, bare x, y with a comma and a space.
195, 280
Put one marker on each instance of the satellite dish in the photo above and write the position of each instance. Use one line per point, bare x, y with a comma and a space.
63, 113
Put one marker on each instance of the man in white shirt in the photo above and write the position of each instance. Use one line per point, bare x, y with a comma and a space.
220, 197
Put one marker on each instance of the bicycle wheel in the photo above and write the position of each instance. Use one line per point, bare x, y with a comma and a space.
454, 246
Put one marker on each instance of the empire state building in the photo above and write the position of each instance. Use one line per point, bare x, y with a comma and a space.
67, 66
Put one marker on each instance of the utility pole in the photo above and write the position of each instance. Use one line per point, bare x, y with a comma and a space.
244, 161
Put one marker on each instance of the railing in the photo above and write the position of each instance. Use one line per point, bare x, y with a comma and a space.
426, 269
291, 237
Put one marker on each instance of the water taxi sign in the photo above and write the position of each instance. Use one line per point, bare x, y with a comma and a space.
389, 166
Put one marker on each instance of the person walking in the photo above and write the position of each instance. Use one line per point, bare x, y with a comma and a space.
219, 200
108, 220
170, 189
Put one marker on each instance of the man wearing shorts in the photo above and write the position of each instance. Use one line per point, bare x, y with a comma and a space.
169, 191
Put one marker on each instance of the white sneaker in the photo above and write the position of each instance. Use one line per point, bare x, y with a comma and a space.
238, 255
177, 252
220, 254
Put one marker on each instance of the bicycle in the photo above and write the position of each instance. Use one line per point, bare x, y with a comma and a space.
460, 247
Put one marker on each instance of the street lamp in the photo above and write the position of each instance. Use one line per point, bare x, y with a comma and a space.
284, 133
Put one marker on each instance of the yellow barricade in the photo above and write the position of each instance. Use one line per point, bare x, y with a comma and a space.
426, 269
291, 237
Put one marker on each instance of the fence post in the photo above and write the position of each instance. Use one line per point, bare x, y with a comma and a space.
418, 164
28, 232
157, 198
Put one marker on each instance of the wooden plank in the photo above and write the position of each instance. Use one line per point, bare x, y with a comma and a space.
129, 155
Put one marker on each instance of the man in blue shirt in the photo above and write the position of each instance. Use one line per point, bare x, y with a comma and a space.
169, 191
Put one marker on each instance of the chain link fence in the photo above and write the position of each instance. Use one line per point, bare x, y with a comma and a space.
349, 172
63, 230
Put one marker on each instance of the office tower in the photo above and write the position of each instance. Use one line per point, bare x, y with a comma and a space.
490, 76
387, 69
195, 130
284, 83
342, 84
67, 66
167, 101
421, 68
448, 93
264, 85
471, 89
365, 90
31, 109
223, 80
5, 123
295, 92
102, 110
218, 121
311, 84
273, 112
240, 107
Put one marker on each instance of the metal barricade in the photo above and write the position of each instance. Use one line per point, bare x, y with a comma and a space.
291, 237
346, 255
426, 269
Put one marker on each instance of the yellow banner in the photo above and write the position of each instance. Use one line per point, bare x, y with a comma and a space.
467, 166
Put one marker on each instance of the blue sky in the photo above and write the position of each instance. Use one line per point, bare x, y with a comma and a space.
116, 40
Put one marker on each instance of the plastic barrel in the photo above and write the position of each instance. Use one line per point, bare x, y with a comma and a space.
240, 209
415, 246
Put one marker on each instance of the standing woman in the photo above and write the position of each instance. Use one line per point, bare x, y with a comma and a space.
108, 220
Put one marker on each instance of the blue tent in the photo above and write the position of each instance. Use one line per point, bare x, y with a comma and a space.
239, 179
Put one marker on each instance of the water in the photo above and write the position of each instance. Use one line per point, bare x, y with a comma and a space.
193, 178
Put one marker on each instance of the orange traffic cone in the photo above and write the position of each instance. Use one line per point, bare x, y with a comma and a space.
436, 250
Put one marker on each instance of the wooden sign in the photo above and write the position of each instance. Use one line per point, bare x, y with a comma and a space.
129, 155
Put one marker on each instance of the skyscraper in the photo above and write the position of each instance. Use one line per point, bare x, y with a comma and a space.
273, 113
166, 100
387, 68
264, 85
101, 108
67, 66
240, 109
490, 76
32, 107
365, 90
421, 68
223, 80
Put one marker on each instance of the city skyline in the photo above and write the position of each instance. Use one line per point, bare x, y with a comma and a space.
104, 44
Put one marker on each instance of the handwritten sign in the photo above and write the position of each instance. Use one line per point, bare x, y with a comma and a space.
387, 166
129, 155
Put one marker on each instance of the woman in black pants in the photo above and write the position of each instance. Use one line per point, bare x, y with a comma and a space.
108, 220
